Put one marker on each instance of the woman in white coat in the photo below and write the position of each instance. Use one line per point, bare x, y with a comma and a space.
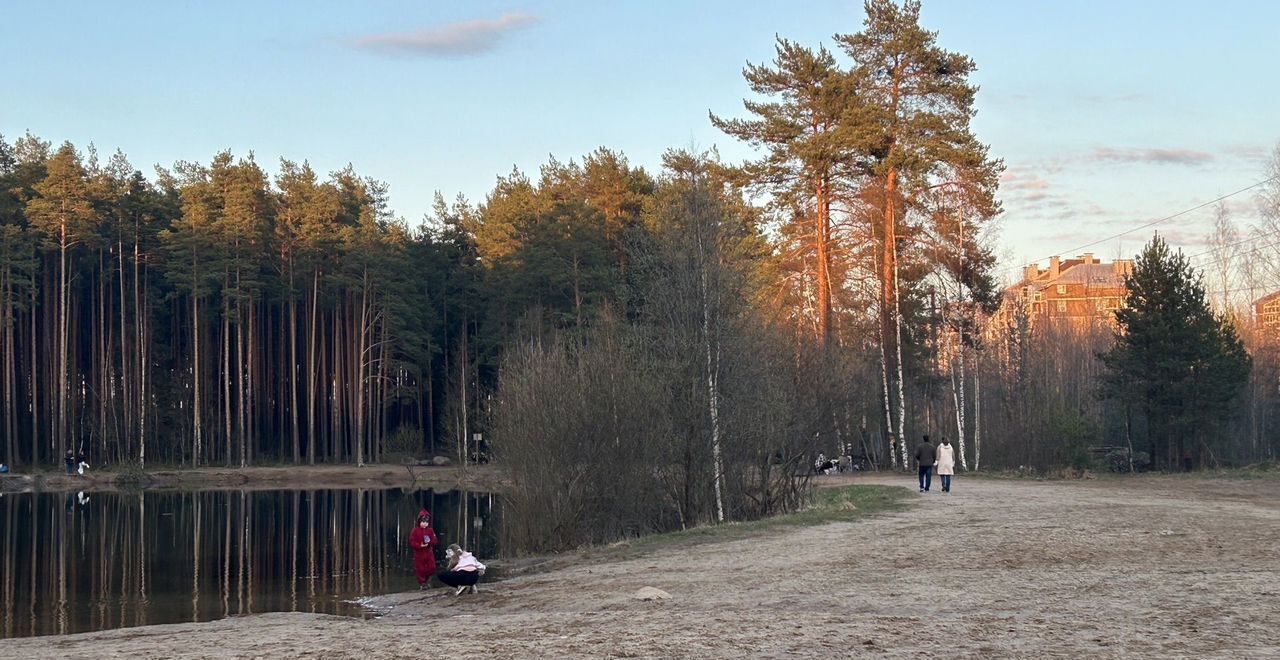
946, 464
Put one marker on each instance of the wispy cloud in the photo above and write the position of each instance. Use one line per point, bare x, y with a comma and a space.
1022, 179
1253, 153
1108, 99
464, 39
1152, 156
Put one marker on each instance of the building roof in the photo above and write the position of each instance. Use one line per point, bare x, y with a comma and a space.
1267, 298
1091, 274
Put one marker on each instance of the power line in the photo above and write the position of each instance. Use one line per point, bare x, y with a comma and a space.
1153, 222
1255, 237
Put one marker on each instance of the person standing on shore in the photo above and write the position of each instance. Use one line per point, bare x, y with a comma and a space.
70, 461
946, 464
423, 541
925, 457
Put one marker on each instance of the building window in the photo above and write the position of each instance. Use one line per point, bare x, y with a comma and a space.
1062, 289
1039, 296
1062, 305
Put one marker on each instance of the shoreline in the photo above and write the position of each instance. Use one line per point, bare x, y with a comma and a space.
488, 478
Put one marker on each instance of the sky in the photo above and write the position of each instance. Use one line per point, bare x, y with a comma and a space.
1109, 115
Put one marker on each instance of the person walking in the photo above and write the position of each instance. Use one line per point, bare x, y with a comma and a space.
925, 457
423, 541
463, 571
946, 464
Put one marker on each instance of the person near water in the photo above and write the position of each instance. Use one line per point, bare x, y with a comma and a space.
463, 571
70, 461
423, 541
946, 464
925, 457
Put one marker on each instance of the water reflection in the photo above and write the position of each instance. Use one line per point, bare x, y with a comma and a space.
75, 562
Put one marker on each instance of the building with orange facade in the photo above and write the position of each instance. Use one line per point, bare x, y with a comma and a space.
1266, 311
1077, 292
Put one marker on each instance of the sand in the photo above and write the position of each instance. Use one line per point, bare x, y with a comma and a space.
1144, 567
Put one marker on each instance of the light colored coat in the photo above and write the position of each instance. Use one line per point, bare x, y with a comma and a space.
946, 459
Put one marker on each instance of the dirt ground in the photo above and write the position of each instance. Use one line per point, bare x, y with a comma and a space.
1146, 567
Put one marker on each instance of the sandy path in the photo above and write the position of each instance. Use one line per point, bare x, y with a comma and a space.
1153, 567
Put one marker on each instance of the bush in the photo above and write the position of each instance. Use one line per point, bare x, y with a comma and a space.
405, 442
1118, 461
1080, 460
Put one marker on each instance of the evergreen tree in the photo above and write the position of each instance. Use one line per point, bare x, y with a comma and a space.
1173, 357
800, 129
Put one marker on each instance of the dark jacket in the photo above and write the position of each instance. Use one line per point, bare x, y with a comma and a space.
926, 454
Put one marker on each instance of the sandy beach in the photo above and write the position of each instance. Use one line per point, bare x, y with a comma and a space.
1144, 567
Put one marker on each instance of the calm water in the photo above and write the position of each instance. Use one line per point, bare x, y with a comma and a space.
74, 563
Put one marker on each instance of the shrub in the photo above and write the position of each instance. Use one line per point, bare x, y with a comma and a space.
1118, 461
405, 442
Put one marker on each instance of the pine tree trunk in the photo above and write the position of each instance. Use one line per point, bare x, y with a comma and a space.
62, 437
337, 435
35, 378
226, 376
6, 340
822, 237
144, 364
293, 367
977, 411
125, 352
141, 331
242, 393
195, 369
361, 420
312, 375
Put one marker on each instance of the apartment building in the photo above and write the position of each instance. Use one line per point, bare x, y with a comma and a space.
1078, 292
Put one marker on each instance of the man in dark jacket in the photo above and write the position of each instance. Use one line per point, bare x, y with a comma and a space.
926, 454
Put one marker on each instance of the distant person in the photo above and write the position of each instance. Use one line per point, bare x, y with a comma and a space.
946, 464
70, 461
925, 457
423, 541
463, 571
82, 464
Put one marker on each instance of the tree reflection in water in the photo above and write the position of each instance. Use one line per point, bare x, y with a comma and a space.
75, 563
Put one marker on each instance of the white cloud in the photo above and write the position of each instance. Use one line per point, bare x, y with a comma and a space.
463, 39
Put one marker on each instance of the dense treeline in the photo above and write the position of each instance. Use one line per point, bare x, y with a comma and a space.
213, 315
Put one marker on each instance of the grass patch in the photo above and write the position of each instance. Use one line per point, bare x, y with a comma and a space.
1268, 470
842, 504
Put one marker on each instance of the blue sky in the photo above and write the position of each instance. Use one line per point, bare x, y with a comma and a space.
1107, 114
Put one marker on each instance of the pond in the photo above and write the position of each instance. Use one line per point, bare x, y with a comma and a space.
78, 562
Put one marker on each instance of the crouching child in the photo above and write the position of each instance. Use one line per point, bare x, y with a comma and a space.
464, 570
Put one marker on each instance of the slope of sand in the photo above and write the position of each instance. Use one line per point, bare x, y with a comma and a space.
1149, 567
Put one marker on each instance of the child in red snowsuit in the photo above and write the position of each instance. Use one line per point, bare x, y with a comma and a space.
423, 541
